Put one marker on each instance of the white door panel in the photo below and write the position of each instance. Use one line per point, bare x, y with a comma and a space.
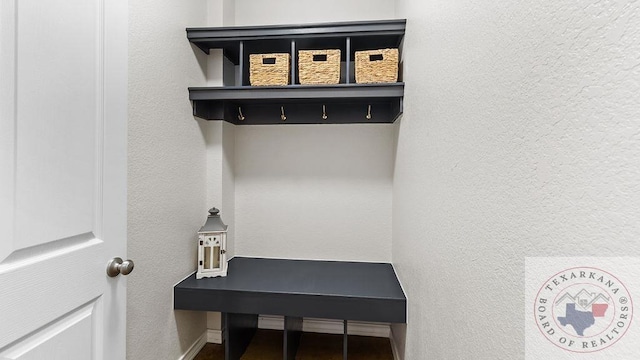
43, 287
58, 84
62, 178
72, 337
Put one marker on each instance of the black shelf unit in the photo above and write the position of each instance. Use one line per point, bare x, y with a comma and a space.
239, 103
295, 289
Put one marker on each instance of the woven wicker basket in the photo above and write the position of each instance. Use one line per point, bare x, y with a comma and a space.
268, 69
319, 66
377, 66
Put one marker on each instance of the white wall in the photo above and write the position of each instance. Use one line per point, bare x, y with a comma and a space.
221, 12
314, 191
252, 12
220, 139
520, 137
310, 191
167, 175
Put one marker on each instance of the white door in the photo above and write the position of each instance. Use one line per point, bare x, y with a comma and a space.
63, 82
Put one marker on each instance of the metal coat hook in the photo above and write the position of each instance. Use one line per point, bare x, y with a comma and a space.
282, 116
369, 113
324, 113
240, 116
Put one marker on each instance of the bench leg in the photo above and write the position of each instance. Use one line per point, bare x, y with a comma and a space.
238, 332
292, 334
344, 341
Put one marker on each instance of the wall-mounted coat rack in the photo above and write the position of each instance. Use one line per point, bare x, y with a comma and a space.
298, 104
347, 102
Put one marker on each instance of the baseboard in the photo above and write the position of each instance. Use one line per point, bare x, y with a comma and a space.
326, 326
195, 348
214, 336
394, 347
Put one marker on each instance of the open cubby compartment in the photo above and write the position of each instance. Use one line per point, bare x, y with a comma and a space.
382, 42
241, 332
268, 46
324, 43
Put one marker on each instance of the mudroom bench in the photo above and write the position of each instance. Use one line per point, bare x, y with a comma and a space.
294, 289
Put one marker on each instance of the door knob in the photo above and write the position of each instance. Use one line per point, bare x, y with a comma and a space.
116, 266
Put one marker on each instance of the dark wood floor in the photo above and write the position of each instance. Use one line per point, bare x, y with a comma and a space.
267, 345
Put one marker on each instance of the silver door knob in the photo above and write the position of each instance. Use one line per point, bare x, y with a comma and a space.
116, 267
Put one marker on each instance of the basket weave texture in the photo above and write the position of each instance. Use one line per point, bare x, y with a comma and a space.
261, 73
377, 71
320, 71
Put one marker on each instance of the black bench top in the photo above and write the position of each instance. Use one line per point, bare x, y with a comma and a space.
301, 288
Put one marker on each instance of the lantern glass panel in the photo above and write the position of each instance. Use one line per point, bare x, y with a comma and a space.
216, 257
207, 257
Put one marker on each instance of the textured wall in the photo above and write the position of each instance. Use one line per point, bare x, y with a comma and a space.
521, 137
166, 175
309, 191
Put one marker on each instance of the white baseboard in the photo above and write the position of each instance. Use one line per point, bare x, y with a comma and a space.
394, 347
326, 326
195, 348
214, 336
